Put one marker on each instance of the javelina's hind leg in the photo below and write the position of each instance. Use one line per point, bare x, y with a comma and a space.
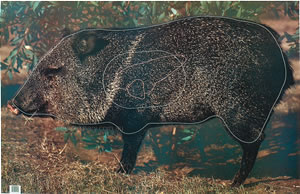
131, 147
249, 156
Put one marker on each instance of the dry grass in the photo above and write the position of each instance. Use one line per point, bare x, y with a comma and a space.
99, 178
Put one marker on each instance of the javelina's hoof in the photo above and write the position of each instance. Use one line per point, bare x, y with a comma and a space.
235, 184
12, 108
125, 169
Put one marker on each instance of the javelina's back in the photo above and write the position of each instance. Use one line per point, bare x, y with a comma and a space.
230, 68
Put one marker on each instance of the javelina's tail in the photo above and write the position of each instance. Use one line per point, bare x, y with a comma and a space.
289, 71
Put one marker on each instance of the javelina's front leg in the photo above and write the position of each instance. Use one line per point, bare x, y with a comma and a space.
131, 147
249, 156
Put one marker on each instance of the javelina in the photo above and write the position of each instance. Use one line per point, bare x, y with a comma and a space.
182, 72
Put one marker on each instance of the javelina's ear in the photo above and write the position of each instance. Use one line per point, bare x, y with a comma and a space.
65, 32
89, 45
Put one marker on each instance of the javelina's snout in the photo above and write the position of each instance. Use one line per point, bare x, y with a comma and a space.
28, 101
12, 108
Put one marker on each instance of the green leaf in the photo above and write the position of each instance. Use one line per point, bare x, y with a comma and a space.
295, 36
286, 8
3, 66
239, 13
35, 5
66, 137
187, 131
28, 67
16, 70
153, 8
108, 149
95, 3
89, 140
288, 37
226, 7
35, 60
73, 139
105, 137
42, 10
236, 3
187, 138
62, 129
10, 76
6, 34
13, 52
174, 11
13, 60
29, 37
142, 10
16, 40
91, 146
227, 4
28, 53
19, 62
135, 22
161, 17
204, 4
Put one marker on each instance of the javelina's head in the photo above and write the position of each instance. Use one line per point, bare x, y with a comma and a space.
67, 81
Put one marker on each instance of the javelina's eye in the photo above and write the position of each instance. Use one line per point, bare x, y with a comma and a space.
83, 47
51, 71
